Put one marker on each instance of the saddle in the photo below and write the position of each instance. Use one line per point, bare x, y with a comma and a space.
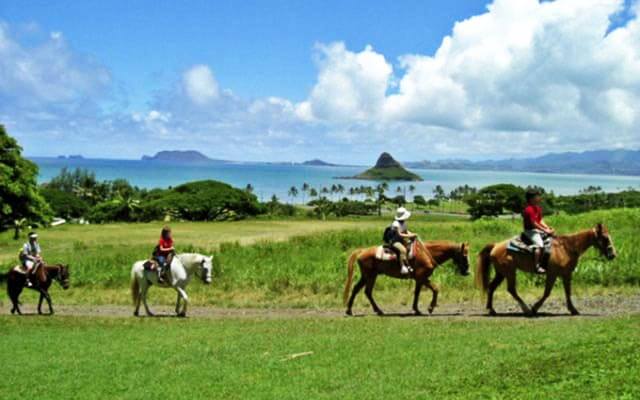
388, 253
522, 244
150, 265
20, 269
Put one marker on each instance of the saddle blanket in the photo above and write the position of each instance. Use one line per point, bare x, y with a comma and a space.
20, 269
386, 253
518, 245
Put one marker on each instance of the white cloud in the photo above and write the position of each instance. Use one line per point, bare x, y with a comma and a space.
200, 85
350, 86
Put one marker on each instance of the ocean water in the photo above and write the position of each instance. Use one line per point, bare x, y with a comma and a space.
270, 179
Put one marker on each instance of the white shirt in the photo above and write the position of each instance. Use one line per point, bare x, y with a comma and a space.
400, 226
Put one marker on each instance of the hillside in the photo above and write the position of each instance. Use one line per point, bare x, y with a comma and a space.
387, 169
611, 162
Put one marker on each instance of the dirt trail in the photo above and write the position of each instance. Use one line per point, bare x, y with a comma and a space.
595, 306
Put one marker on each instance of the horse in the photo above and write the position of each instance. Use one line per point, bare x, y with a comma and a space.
183, 266
565, 253
44, 276
429, 255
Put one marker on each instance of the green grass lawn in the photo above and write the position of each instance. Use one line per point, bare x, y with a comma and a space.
353, 358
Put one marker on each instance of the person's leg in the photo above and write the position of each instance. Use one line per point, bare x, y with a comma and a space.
538, 245
161, 261
28, 264
404, 261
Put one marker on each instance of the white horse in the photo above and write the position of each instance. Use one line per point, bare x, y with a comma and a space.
183, 266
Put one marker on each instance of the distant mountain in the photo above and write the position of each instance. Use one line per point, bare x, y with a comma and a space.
319, 163
71, 157
610, 162
186, 156
387, 169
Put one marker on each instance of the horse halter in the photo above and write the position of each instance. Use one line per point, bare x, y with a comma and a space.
604, 243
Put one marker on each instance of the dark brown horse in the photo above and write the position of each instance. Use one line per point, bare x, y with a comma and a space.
429, 255
42, 280
565, 253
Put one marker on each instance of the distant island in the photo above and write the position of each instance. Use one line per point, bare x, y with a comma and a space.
606, 162
71, 157
183, 156
387, 169
319, 163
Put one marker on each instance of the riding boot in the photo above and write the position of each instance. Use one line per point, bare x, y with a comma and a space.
160, 274
540, 269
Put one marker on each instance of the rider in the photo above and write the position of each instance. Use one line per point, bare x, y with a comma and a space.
402, 238
31, 257
535, 227
164, 252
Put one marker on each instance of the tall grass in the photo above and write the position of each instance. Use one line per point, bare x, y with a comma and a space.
315, 264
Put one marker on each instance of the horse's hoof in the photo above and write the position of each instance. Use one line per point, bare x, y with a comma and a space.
349, 313
417, 312
136, 314
574, 312
182, 315
492, 312
380, 313
13, 311
430, 309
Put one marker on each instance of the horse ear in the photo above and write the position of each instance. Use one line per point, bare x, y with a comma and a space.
599, 227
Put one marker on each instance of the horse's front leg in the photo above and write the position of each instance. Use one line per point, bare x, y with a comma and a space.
47, 297
434, 298
178, 302
183, 294
416, 296
566, 280
551, 280
40, 302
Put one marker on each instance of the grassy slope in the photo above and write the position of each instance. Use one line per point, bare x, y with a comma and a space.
92, 358
304, 271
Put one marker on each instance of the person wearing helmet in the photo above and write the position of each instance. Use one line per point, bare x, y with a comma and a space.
31, 257
402, 238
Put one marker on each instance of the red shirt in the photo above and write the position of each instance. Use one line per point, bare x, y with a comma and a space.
530, 215
166, 244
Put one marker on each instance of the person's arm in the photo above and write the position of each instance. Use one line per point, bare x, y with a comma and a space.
543, 227
166, 249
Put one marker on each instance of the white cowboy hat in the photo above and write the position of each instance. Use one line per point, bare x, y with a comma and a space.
402, 214
33, 235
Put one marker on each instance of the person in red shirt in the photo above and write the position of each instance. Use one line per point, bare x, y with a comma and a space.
164, 252
535, 227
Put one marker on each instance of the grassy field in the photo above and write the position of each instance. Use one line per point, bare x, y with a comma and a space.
301, 263
352, 358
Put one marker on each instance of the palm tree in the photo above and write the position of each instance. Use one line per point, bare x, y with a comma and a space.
313, 193
249, 188
305, 189
334, 190
293, 192
324, 191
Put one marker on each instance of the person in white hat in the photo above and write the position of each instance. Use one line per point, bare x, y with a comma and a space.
31, 256
402, 237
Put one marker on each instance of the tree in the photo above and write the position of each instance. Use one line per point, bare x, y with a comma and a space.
313, 193
293, 192
249, 188
305, 189
438, 193
19, 194
419, 200
494, 200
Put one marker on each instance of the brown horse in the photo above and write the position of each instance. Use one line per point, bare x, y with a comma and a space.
41, 282
565, 253
429, 255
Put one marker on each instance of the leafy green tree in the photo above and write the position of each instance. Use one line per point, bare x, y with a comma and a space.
19, 194
494, 200
419, 200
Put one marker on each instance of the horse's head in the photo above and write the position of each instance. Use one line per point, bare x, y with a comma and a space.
206, 268
604, 243
461, 259
63, 276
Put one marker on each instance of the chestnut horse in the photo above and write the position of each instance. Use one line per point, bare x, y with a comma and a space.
565, 253
42, 280
429, 255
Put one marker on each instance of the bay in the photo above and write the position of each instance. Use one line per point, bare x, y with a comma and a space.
276, 179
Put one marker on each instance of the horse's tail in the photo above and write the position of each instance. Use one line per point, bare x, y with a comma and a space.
135, 289
482, 270
350, 268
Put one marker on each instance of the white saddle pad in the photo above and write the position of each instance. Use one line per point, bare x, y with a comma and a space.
385, 254
19, 269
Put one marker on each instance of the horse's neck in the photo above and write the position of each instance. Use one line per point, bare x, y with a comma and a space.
579, 242
442, 253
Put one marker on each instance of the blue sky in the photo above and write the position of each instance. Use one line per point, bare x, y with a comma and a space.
281, 80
